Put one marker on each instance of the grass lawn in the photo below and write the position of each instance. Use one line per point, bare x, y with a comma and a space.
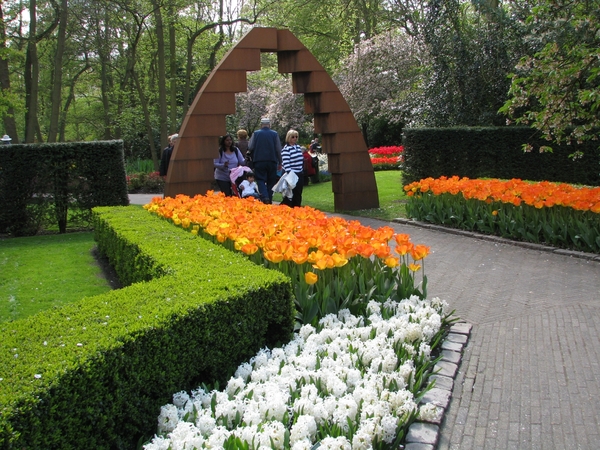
392, 199
40, 272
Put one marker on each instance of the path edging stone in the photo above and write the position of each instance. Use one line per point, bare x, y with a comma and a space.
424, 434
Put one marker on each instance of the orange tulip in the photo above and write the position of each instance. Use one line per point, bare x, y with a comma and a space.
382, 251
273, 256
339, 260
419, 252
402, 239
249, 249
403, 249
365, 250
320, 264
313, 257
299, 258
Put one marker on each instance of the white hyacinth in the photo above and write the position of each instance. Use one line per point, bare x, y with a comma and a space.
347, 371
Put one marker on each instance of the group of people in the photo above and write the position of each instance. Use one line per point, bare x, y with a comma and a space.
268, 160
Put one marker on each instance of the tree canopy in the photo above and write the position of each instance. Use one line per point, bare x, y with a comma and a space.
129, 69
557, 89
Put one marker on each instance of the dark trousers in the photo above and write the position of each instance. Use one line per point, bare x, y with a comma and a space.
296, 199
265, 173
225, 187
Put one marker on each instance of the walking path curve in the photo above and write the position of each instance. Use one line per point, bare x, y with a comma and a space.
530, 372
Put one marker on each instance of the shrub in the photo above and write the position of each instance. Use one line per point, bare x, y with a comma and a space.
145, 183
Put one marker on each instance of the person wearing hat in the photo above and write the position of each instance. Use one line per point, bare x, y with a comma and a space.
6, 139
265, 150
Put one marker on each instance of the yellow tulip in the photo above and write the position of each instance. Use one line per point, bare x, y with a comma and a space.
311, 278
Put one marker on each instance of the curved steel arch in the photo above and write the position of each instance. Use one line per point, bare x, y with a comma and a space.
191, 168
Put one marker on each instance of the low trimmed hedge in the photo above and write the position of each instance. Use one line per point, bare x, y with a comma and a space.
95, 374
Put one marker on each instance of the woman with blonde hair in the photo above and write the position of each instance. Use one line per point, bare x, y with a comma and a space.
293, 161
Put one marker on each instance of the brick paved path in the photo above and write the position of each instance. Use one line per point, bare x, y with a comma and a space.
530, 374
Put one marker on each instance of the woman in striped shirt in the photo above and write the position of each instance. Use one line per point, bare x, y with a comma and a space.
293, 161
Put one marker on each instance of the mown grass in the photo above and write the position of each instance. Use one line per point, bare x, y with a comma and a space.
392, 199
41, 272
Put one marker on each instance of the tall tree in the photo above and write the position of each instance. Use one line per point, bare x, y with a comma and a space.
557, 90
6, 103
471, 52
381, 81
57, 85
161, 69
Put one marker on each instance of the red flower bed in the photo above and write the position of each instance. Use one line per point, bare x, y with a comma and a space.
387, 158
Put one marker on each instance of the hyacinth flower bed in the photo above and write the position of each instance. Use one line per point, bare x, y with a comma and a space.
334, 264
387, 158
352, 382
556, 214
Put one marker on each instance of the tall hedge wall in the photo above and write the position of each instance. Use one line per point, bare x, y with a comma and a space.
495, 152
45, 184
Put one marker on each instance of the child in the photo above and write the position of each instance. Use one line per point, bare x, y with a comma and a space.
249, 187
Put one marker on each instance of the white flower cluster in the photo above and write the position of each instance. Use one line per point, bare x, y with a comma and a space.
345, 376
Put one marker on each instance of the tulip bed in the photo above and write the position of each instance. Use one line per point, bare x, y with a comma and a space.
557, 214
365, 342
387, 158
333, 263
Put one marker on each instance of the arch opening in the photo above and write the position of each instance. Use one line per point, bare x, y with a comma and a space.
191, 167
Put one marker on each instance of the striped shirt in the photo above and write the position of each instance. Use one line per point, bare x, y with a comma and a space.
293, 161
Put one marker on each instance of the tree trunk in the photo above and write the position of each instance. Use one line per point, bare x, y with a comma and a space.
57, 78
103, 48
173, 123
63, 115
31, 77
10, 125
162, 78
144, 103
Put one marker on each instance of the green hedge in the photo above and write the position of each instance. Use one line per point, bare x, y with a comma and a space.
495, 152
51, 184
95, 374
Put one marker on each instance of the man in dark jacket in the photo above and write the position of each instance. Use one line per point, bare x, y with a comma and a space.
265, 148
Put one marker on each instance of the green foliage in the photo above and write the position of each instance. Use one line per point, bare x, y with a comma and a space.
557, 226
471, 51
42, 272
146, 183
138, 165
328, 28
557, 90
94, 374
494, 152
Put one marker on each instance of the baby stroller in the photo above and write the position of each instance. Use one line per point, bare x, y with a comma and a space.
236, 176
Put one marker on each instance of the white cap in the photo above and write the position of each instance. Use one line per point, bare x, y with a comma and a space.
265, 120
6, 138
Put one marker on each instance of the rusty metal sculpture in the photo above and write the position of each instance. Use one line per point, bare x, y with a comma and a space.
191, 166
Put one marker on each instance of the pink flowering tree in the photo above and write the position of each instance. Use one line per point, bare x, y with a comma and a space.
380, 81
